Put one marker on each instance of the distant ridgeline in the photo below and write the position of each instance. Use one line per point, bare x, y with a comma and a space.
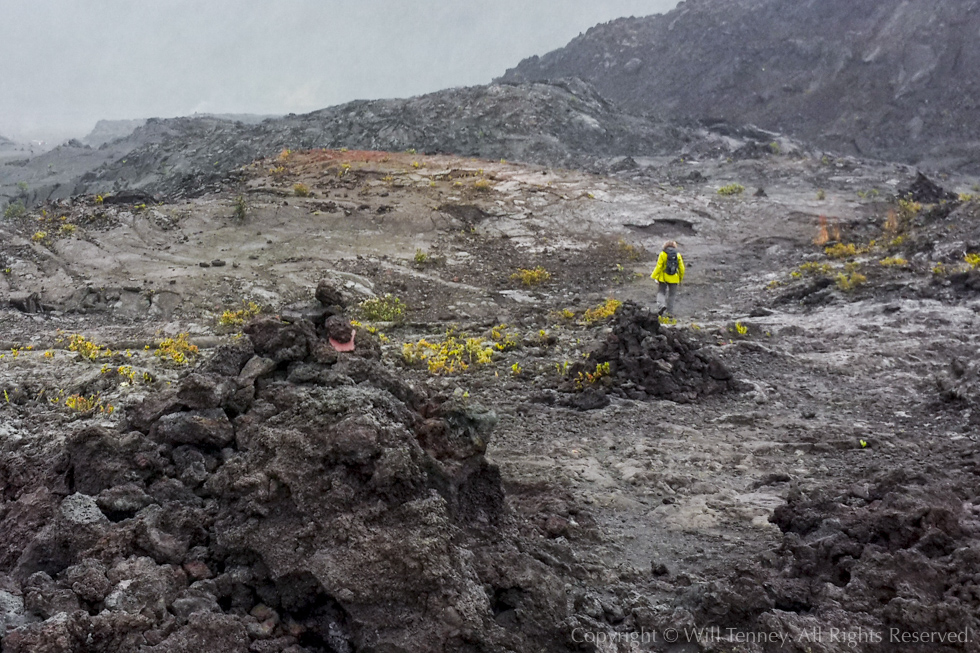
893, 79
561, 123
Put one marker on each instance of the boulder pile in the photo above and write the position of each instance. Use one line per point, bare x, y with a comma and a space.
647, 361
285, 497
897, 554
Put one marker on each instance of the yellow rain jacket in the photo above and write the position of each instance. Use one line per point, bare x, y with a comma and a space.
660, 272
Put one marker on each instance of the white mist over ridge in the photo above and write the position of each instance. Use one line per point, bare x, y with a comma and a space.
111, 60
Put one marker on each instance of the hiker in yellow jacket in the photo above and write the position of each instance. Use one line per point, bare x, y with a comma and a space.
669, 273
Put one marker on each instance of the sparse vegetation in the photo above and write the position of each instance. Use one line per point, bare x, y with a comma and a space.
821, 194
127, 374
83, 405
812, 268
456, 353
973, 260
383, 309
87, 348
907, 210
241, 208
893, 261
629, 251
177, 351
531, 277
236, 318
15, 210
850, 278
603, 311
731, 189
301, 190
842, 250
504, 341
601, 370
482, 185
421, 258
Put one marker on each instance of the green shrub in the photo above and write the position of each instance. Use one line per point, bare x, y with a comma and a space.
840, 250
603, 311
456, 353
531, 277
383, 309
241, 208
236, 318
15, 210
812, 268
848, 281
731, 189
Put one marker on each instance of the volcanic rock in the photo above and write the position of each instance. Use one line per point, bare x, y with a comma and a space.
328, 294
340, 517
851, 77
662, 363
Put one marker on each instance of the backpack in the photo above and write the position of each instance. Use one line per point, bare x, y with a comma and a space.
671, 267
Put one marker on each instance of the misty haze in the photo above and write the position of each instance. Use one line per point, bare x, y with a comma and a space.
561, 326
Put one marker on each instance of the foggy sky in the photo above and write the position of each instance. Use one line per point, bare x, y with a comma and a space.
64, 64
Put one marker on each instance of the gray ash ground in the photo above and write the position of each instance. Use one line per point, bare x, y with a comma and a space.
277, 495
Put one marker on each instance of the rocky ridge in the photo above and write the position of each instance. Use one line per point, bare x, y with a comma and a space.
892, 80
560, 123
106, 131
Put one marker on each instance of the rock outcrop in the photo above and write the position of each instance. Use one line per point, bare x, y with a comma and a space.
866, 77
638, 359
286, 497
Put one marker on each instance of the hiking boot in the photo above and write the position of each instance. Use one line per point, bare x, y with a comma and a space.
663, 309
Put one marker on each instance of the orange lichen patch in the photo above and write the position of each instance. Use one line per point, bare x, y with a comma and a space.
343, 156
827, 231
891, 224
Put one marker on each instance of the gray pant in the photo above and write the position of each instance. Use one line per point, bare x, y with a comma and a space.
666, 295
